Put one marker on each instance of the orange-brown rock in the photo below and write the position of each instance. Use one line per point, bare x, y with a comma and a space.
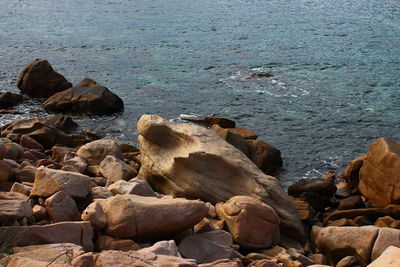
95, 152
252, 223
265, 156
352, 171
95, 215
194, 162
244, 132
108, 243
389, 258
131, 216
115, 169
235, 140
3, 150
61, 207
135, 186
87, 97
49, 181
39, 79
165, 247
13, 206
5, 171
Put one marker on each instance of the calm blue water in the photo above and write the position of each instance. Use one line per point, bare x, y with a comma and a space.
336, 65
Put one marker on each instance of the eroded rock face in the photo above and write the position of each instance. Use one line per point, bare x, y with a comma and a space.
88, 97
194, 162
95, 152
380, 173
252, 223
131, 216
39, 79
49, 181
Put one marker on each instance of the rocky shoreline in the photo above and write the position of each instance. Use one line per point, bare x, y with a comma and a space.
191, 194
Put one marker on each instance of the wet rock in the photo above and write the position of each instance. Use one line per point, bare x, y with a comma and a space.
38, 79
48, 182
8, 99
128, 215
134, 258
63, 123
95, 152
95, 215
108, 243
194, 162
380, 173
135, 186
265, 156
61, 207
243, 215
389, 258
115, 169
79, 233
316, 186
87, 97
208, 247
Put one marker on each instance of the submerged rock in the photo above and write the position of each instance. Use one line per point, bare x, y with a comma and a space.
38, 79
87, 97
194, 162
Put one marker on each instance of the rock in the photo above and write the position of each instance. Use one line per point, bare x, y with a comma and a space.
109, 243
79, 233
235, 140
389, 258
30, 143
243, 215
8, 99
40, 258
134, 258
12, 207
135, 186
371, 213
244, 132
318, 202
26, 174
48, 182
349, 261
61, 207
193, 162
265, 156
343, 190
78, 163
264, 263
63, 123
225, 263
167, 248
115, 169
128, 215
99, 192
211, 121
351, 173
387, 221
39, 79
62, 247
316, 186
354, 202
95, 215
386, 237
39, 212
380, 173
84, 260
87, 97
208, 225
95, 152
14, 151
305, 211
14, 261
21, 188
338, 242
208, 247
5, 171
100, 181
3, 150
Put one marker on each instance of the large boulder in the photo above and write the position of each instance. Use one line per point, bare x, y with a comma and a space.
252, 223
8, 99
194, 162
265, 156
95, 152
87, 97
39, 79
79, 233
389, 258
49, 181
380, 173
61, 207
131, 216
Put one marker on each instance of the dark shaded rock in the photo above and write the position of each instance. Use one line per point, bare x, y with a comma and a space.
87, 97
8, 99
210, 121
317, 186
259, 75
265, 156
38, 79
351, 173
370, 213
318, 202
62, 123
235, 140
354, 202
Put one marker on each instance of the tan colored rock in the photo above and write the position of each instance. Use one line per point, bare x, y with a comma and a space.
131, 216
135, 186
77, 162
38, 258
21, 188
79, 233
386, 237
235, 140
337, 242
14, 151
208, 247
49, 182
84, 260
134, 258
39, 212
194, 162
304, 210
115, 169
99, 192
108, 243
13, 208
61, 207
95, 215
351, 173
62, 247
380, 173
167, 248
265, 156
243, 215
39, 79
387, 221
5, 171
95, 152
389, 258
225, 263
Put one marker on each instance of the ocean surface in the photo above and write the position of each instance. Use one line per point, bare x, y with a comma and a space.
336, 67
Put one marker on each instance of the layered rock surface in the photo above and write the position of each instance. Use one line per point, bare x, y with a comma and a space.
194, 162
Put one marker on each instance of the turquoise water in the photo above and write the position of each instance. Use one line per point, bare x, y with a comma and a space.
336, 66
